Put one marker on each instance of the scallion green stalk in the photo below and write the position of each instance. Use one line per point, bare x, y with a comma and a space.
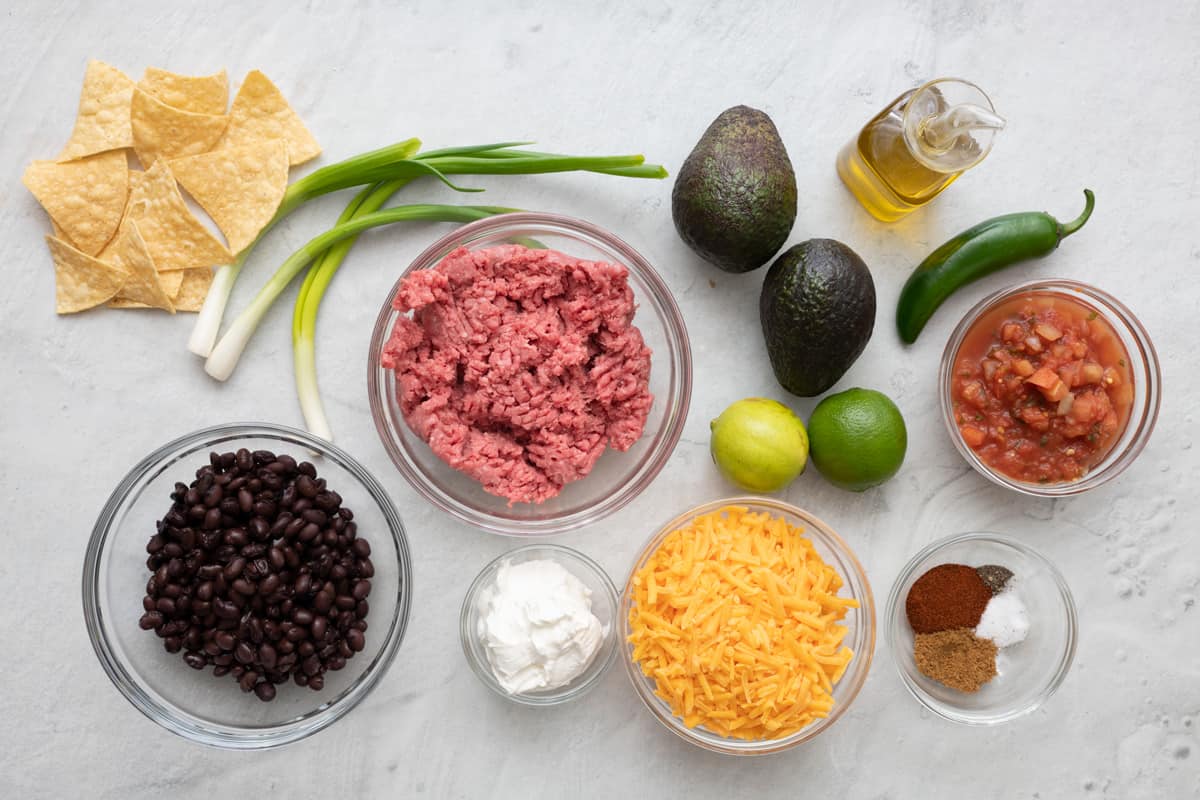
356, 171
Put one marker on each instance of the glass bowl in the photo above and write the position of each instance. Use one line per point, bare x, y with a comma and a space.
1143, 368
860, 622
617, 478
604, 606
194, 704
1028, 672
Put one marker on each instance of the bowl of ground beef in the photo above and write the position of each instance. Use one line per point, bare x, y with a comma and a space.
529, 373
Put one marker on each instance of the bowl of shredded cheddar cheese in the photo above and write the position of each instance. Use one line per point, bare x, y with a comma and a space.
748, 626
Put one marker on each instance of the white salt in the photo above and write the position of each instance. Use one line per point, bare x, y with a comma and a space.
1005, 620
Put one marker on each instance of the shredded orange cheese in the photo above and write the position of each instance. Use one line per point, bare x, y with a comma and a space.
734, 618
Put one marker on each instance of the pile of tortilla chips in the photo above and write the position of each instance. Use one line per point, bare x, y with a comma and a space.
125, 237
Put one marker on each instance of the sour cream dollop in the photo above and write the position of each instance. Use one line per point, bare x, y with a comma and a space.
537, 626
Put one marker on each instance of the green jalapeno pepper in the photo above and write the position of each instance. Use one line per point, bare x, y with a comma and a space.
976, 252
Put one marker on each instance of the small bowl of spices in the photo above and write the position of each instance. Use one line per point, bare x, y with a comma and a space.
982, 628
538, 624
247, 585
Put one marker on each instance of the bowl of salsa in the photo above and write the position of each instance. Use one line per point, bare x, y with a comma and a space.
1050, 387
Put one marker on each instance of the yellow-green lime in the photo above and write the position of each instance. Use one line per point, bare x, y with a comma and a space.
759, 444
857, 438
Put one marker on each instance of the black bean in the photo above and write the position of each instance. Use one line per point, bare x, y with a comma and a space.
166, 606
265, 691
212, 518
225, 609
243, 586
323, 601
267, 656
195, 660
362, 548
302, 616
248, 680
362, 589
318, 627
214, 496
259, 528
244, 653
150, 620
234, 568
356, 640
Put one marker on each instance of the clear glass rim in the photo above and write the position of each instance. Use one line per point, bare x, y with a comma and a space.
1142, 416
1065, 660
177, 720
854, 678
680, 365
594, 672
911, 127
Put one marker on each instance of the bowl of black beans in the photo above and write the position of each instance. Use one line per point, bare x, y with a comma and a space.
247, 585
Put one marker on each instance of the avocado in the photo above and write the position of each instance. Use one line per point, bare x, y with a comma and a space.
817, 309
734, 200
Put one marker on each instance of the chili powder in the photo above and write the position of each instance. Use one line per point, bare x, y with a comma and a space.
946, 597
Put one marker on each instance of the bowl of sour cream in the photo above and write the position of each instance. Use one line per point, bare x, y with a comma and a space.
538, 624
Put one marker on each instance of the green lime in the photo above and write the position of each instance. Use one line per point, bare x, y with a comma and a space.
858, 438
759, 444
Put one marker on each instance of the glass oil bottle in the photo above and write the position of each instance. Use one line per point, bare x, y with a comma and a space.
917, 146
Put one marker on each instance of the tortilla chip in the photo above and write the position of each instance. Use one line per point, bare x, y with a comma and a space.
163, 131
171, 281
84, 198
194, 289
102, 123
80, 281
240, 187
175, 238
142, 285
260, 113
200, 94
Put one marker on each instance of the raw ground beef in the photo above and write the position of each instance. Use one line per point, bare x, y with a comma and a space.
520, 366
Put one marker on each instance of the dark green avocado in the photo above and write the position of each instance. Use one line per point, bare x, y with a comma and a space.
734, 200
817, 309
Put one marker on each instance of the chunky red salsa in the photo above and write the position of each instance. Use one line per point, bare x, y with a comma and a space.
1041, 388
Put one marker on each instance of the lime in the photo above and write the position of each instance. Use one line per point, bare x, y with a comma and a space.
858, 438
759, 444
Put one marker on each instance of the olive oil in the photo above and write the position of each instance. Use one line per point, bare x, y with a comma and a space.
917, 146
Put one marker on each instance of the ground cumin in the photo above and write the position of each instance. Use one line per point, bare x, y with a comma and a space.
956, 658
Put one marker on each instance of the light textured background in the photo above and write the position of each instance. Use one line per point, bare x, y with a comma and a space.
1098, 94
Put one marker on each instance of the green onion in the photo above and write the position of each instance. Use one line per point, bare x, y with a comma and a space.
342, 175
399, 164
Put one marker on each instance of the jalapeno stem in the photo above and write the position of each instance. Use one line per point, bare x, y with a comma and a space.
1077, 223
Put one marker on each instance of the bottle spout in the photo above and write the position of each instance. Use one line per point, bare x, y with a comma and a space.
942, 130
